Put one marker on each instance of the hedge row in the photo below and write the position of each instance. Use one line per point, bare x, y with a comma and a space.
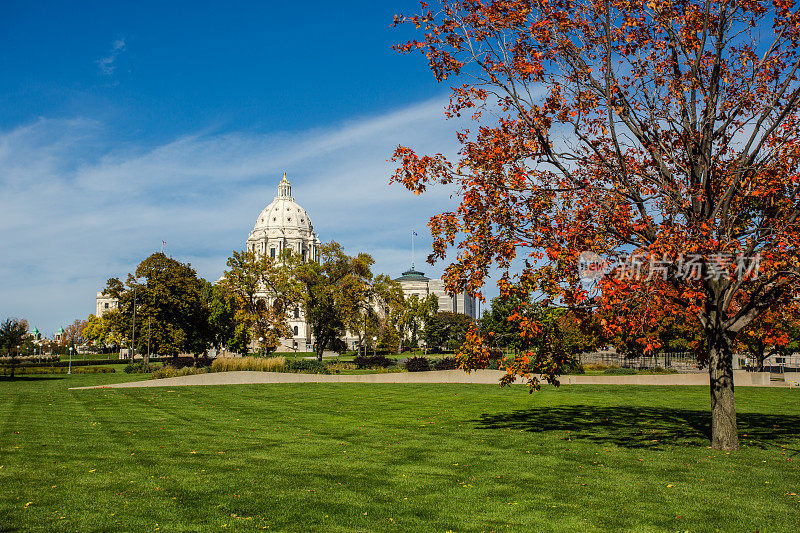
81, 362
20, 370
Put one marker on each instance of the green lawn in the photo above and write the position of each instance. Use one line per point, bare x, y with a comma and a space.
362, 457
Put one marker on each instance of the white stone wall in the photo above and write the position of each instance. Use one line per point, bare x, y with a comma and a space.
105, 304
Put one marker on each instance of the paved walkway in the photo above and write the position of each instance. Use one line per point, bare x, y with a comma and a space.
481, 377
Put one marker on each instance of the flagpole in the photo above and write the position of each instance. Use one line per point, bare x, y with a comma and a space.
412, 248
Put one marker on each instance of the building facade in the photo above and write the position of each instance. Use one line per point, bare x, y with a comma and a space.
284, 225
415, 282
105, 304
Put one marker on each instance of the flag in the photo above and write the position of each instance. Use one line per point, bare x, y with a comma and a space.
164, 243
414, 233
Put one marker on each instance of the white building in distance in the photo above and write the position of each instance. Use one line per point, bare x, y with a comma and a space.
285, 225
415, 282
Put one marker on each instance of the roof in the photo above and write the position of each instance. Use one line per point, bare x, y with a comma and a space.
412, 275
284, 213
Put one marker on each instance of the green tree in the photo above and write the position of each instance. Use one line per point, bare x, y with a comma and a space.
222, 314
263, 292
502, 332
374, 306
332, 289
13, 332
446, 330
415, 314
171, 313
101, 331
96, 331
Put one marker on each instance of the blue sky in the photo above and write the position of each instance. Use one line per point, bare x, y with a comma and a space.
124, 124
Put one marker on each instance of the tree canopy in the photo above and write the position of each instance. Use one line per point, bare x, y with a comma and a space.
660, 133
171, 313
332, 288
263, 291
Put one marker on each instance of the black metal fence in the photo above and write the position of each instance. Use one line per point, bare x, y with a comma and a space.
686, 361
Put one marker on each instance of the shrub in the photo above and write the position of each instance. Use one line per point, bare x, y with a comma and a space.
339, 366
6, 371
307, 366
573, 367
172, 372
418, 364
138, 367
598, 366
658, 370
372, 361
338, 346
258, 364
445, 363
182, 362
392, 370
620, 371
29, 359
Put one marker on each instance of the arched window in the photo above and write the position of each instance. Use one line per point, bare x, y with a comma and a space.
295, 331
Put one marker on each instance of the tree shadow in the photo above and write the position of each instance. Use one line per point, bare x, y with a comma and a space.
642, 427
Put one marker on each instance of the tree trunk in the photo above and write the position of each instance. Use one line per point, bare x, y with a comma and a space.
760, 358
724, 433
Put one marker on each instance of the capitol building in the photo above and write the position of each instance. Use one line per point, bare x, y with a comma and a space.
285, 225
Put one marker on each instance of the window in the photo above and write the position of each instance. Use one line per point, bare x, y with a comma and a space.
295, 331
106, 305
272, 253
304, 256
297, 312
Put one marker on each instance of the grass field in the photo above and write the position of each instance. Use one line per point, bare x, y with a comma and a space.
361, 457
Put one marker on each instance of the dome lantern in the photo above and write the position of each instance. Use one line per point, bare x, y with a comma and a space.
285, 188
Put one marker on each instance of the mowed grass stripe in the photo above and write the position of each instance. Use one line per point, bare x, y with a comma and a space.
343, 457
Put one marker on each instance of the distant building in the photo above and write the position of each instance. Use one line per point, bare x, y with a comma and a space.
415, 282
105, 304
285, 225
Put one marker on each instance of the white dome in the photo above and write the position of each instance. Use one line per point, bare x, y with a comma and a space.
282, 225
284, 213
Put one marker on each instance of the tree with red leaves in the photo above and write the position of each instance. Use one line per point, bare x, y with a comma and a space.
660, 131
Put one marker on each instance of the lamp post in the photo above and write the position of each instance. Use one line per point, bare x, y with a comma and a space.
69, 370
374, 345
261, 346
133, 330
295, 350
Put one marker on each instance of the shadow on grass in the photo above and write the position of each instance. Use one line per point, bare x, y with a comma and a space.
29, 377
641, 427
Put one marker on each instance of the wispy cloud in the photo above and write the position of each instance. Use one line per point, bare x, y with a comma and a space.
76, 208
106, 63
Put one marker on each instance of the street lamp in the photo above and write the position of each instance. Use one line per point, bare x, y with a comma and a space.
133, 329
374, 345
295, 349
261, 346
69, 370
